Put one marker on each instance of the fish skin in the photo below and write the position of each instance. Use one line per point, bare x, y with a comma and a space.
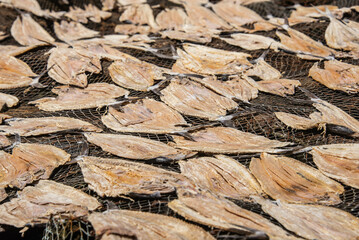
71, 31
119, 177
125, 224
338, 161
47, 199
292, 181
227, 140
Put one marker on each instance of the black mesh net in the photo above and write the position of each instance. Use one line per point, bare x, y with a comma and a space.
258, 117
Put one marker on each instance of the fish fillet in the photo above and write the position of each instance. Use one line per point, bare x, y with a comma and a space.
130, 29
139, 14
221, 213
337, 75
289, 180
4, 142
71, 31
263, 70
91, 12
45, 125
94, 95
303, 14
252, 41
314, 221
281, 87
47, 199
8, 101
146, 116
192, 98
338, 161
227, 140
28, 32
125, 224
174, 18
14, 73
221, 175
69, 66
193, 36
12, 50
132, 147
118, 177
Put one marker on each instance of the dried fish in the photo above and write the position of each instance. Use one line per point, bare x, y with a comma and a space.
3, 35
125, 224
130, 2
192, 98
146, 116
188, 35
303, 14
36, 205
45, 125
135, 74
14, 73
4, 142
130, 29
108, 5
28, 32
221, 213
118, 177
174, 18
71, 31
95, 95
221, 175
68, 66
12, 50
263, 70
289, 180
132, 147
338, 161
227, 140
28, 163
337, 75
139, 14
281, 87
313, 221
252, 41
90, 12
8, 100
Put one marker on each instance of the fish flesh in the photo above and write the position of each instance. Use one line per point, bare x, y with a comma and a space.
28, 32
252, 41
280, 87
135, 74
290, 180
4, 142
71, 31
68, 66
3, 117
328, 114
227, 140
209, 210
91, 12
139, 14
130, 29
146, 116
338, 161
337, 75
45, 125
93, 96
33, 7
234, 88
118, 177
206, 60
130, 2
29, 163
235, 14
3, 35
193, 36
174, 18
47, 199
303, 14
192, 98
262, 70
125, 224
313, 221
108, 5
8, 101
133, 147
12, 50
221, 175
14, 73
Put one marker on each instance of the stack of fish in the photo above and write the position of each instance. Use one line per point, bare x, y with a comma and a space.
203, 82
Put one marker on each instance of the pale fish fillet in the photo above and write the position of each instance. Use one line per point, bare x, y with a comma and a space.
192, 98
252, 41
139, 14
95, 95
33, 7
4, 142
8, 101
263, 70
222, 176
71, 31
337, 75
90, 12
47, 199
193, 36
69, 66
118, 177
280, 87
338, 161
290, 180
313, 221
3, 35
134, 74
132, 29
303, 14
133, 147
130, 2
227, 140
108, 5
295, 121
29, 163
14, 73
221, 213
45, 125
174, 18
28, 32
12, 50
234, 88
146, 116
125, 224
